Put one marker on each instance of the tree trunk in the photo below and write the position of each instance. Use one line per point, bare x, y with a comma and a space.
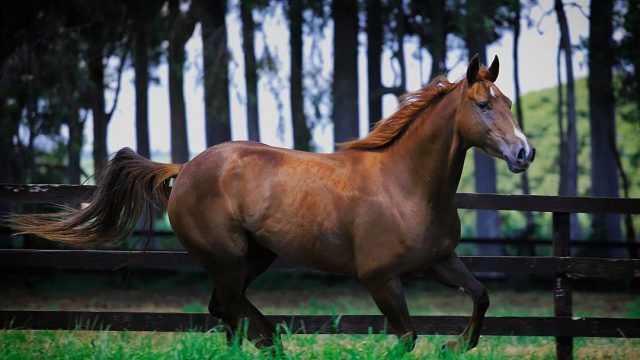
250, 69
374, 59
216, 72
141, 64
100, 120
484, 174
569, 154
602, 125
301, 131
6, 149
6, 144
398, 54
181, 29
524, 179
438, 45
345, 70
74, 146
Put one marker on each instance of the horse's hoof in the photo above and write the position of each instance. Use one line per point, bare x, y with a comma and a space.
408, 341
450, 348
270, 348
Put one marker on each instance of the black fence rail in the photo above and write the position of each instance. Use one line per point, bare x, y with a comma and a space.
323, 324
573, 267
61, 194
563, 268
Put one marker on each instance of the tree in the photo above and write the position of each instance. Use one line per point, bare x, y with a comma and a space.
628, 51
216, 73
524, 179
602, 125
437, 43
396, 29
141, 14
44, 37
374, 58
628, 65
487, 221
430, 21
105, 38
74, 88
345, 70
301, 130
569, 139
96, 74
250, 68
17, 37
181, 27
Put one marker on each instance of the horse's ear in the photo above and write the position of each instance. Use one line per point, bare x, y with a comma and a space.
492, 72
472, 70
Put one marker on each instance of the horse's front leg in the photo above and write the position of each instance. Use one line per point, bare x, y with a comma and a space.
452, 272
389, 296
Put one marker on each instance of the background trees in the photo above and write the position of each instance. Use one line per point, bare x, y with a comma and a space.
62, 63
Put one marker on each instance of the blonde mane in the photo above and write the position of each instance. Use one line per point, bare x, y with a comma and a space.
388, 130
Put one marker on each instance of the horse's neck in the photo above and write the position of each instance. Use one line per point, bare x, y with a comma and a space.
432, 151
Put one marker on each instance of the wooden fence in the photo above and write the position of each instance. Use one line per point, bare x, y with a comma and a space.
563, 268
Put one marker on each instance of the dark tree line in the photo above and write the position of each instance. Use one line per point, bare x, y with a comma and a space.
61, 62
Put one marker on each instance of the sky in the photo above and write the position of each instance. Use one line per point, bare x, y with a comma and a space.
537, 51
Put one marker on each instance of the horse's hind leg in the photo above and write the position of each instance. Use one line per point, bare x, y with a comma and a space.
258, 259
230, 303
452, 272
228, 256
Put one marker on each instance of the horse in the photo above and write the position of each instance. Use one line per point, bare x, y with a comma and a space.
381, 208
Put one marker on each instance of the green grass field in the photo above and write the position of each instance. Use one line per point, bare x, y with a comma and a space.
280, 292
189, 345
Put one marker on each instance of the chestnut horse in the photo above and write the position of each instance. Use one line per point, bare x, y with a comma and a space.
381, 208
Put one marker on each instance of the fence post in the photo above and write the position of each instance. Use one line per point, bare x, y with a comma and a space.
562, 289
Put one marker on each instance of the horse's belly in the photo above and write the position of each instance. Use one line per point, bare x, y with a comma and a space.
321, 251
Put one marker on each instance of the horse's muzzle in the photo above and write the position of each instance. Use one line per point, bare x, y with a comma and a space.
521, 161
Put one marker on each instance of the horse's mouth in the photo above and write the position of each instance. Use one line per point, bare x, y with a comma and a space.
517, 169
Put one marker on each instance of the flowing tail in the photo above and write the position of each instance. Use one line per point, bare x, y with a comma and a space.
130, 187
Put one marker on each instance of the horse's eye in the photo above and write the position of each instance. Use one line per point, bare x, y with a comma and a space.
483, 105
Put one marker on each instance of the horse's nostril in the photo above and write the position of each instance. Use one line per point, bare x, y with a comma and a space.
533, 154
521, 154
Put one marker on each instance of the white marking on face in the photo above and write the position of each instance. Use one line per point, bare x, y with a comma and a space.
492, 92
521, 136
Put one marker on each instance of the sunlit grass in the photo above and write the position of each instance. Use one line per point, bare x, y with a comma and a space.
196, 345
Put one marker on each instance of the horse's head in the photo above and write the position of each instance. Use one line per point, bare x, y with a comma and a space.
484, 118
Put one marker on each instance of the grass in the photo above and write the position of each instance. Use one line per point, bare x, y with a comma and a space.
309, 296
195, 345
